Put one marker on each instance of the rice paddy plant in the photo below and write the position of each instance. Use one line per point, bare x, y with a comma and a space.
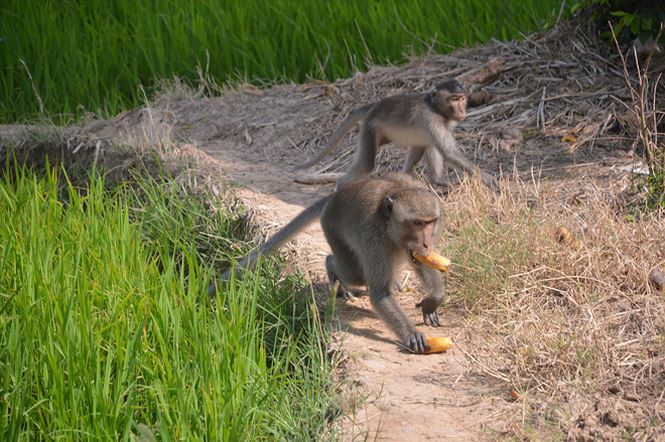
107, 334
62, 58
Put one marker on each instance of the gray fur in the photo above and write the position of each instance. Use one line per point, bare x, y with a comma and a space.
369, 225
418, 122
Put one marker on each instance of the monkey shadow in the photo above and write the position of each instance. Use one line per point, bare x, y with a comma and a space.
347, 313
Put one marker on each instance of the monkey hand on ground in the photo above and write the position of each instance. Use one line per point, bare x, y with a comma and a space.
430, 316
417, 343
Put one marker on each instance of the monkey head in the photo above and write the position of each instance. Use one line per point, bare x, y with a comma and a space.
414, 219
449, 100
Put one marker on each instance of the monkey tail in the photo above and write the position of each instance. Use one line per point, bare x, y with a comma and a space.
343, 128
297, 224
300, 222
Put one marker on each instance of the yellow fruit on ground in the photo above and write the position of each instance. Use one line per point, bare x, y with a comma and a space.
439, 344
564, 236
434, 260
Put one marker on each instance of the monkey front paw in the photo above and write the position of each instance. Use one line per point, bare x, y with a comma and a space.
430, 316
431, 319
416, 343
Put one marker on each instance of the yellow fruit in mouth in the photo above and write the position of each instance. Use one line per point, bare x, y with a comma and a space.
434, 260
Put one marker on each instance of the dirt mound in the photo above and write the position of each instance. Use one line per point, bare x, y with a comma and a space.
549, 107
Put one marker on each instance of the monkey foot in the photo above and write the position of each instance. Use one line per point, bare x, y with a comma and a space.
345, 295
431, 319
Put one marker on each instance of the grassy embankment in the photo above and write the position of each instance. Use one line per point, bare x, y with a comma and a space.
65, 58
106, 331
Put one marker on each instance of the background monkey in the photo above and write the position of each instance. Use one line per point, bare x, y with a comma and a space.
421, 122
372, 226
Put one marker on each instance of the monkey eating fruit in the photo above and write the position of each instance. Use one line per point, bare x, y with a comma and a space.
374, 227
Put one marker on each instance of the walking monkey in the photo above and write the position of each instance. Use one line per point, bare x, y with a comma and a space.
373, 226
423, 123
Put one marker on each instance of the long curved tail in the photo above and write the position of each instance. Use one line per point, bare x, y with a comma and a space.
343, 128
296, 225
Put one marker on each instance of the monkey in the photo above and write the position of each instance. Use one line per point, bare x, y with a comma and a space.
424, 123
373, 226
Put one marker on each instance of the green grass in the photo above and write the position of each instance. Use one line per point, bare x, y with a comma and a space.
106, 331
66, 57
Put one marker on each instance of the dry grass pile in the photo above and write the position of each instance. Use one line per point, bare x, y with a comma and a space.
561, 83
570, 323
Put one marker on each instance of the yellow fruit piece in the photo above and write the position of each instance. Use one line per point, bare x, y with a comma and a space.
439, 344
569, 138
564, 236
434, 260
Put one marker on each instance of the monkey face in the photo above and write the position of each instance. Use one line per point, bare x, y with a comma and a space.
420, 236
450, 98
458, 106
452, 105
415, 221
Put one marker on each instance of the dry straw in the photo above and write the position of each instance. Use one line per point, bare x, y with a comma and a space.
571, 322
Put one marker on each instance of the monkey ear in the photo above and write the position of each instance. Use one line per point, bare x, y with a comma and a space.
387, 206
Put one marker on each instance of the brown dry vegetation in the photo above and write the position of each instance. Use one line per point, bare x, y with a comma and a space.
573, 327
571, 331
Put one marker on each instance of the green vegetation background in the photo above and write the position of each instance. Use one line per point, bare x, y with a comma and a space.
62, 58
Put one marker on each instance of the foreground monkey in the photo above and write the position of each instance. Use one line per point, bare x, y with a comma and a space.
374, 226
423, 122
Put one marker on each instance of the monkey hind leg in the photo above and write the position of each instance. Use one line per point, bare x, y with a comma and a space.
414, 155
365, 157
346, 277
352, 175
